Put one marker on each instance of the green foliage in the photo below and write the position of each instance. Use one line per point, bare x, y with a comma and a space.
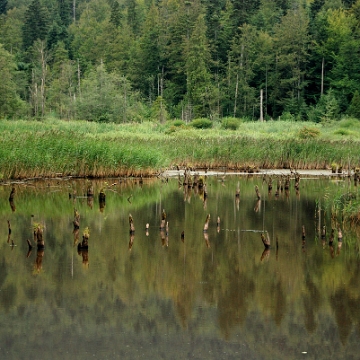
205, 59
342, 132
202, 123
36, 23
230, 123
174, 125
354, 108
3, 6
10, 103
107, 97
178, 123
199, 86
287, 116
349, 123
309, 133
116, 14
326, 109
85, 148
158, 110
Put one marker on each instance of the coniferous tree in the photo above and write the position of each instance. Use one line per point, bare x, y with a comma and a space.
133, 15
116, 14
354, 108
148, 73
3, 6
344, 45
36, 23
200, 91
291, 44
244, 9
10, 102
90, 35
57, 32
267, 16
65, 12
11, 30
241, 70
178, 28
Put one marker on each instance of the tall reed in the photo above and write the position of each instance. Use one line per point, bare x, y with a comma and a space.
59, 148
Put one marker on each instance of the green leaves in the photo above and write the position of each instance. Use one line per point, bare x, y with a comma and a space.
10, 103
36, 23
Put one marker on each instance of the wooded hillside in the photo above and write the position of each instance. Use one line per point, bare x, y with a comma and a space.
131, 60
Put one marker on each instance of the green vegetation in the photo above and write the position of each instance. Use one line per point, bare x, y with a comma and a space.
56, 148
136, 60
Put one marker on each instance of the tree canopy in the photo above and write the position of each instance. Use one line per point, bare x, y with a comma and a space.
201, 58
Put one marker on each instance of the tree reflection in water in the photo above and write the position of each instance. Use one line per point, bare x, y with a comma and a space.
219, 286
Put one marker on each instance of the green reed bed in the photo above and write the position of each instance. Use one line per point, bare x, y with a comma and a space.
240, 152
60, 153
59, 148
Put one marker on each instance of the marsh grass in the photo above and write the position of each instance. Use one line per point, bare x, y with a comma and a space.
59, 148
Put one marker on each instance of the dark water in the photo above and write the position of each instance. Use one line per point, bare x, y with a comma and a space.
213, 295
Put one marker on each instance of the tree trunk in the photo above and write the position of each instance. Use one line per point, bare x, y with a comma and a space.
261, 106
322, 77
236, 93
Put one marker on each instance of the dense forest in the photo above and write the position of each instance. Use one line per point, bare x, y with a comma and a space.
131, 60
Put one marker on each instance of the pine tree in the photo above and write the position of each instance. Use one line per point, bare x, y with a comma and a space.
3, 6
178, 29
133, 15
35, 24
65, 12
116, 15
354, 108
10, 102
148, 70
243, 55
291, 44
200, 89
11, 30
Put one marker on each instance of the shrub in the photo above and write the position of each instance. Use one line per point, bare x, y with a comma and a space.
230, 124
308, 133
354, 108
287, 116
201, 123
177, 123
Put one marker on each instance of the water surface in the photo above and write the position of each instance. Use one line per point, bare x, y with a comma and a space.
155, 295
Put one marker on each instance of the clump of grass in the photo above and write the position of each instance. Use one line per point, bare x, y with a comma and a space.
202, 123
177, 123
230, 123
343, 132
309, 133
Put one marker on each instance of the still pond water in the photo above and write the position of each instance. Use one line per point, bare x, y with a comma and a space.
160, 295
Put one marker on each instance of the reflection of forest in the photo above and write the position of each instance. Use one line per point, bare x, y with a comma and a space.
225, 289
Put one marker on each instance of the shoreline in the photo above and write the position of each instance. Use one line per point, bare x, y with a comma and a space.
305, 173
259, 172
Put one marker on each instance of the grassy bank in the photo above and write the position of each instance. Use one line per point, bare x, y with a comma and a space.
57, 148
